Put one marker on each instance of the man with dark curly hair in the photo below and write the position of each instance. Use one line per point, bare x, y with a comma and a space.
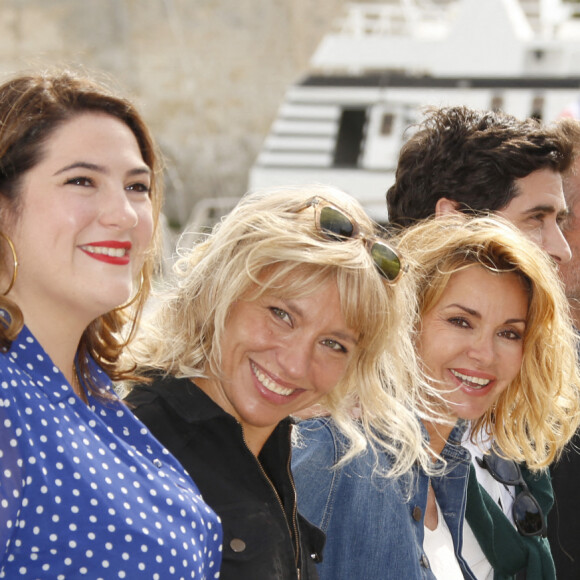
467, 160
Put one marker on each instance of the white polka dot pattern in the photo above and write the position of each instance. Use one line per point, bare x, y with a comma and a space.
88, 492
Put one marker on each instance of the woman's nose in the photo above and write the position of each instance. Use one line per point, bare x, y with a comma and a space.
117, 210
481, 349
294, 358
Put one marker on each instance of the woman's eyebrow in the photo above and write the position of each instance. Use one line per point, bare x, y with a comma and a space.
478, 315
140, 170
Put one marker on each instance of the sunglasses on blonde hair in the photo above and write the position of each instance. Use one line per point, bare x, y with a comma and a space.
336, 225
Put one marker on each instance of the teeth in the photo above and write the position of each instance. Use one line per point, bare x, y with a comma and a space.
269, 383
471, 380
113, 252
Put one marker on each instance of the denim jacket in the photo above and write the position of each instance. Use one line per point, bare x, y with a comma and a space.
375, 525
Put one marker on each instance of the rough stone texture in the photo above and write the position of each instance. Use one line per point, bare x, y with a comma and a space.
208, 75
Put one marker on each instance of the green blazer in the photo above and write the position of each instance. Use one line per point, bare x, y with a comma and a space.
512, 556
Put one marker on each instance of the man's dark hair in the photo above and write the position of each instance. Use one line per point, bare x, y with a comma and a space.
473, 158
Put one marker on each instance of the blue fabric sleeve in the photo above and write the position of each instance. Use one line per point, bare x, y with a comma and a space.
12, 474
367, 518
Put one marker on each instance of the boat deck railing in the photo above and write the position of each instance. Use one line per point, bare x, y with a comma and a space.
392, 17
405, 17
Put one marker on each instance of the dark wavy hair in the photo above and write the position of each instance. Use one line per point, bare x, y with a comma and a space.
471, 157
32, 108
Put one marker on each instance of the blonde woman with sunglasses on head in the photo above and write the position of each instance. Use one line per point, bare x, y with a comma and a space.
292, 301
495, 341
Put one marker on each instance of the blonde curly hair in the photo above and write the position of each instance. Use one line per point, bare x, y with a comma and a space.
540, 410
270, 243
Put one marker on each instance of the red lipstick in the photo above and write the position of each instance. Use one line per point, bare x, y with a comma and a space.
109, 251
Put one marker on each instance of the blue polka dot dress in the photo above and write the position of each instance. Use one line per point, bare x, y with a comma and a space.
87, 491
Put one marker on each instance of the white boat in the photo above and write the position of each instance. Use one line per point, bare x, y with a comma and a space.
371, 76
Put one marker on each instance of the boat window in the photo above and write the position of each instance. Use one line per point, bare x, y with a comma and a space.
496, 103
350, 137
387, 124
537, 108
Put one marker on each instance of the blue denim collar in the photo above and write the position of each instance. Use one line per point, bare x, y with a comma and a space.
453, 449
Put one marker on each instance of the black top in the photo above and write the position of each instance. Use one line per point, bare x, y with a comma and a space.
264, 537
564, 519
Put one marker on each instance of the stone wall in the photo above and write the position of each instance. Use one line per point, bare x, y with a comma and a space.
207, 74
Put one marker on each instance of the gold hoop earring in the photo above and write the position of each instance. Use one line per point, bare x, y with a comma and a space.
15, 261
135, 298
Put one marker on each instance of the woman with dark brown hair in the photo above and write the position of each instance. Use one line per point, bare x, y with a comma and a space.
85, 489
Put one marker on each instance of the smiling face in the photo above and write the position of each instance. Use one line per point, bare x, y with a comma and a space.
471, 341
83, 223
539, 211
279, 356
